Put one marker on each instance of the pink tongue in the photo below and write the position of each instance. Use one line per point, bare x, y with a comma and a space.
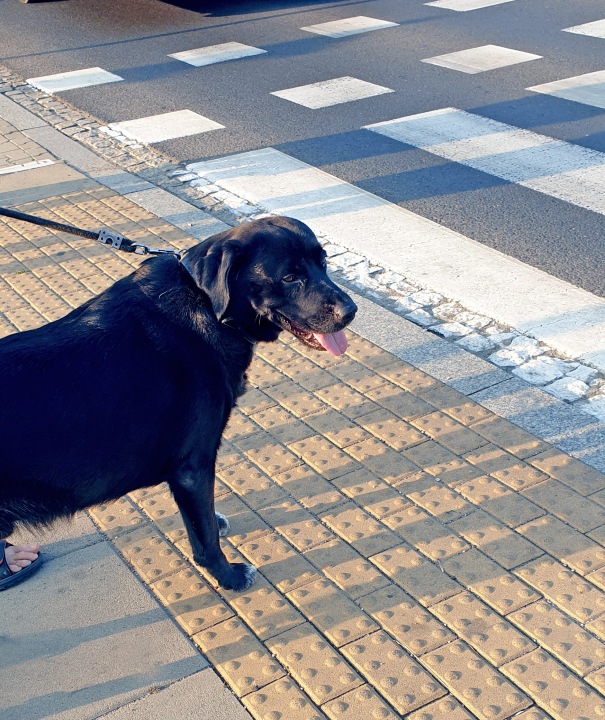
335, 343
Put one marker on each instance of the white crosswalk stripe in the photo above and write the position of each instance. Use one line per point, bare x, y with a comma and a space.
480, 59
466, 5
553, 167
216, 54
73, 79
167, 126
588, 89
594, 29
349, 26
331, 92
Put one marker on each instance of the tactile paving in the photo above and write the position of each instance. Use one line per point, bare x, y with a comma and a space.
456, 405
402, 403
150, 555
283, 426
239, 426
519, 476
400, 679
245, 524
319, 669
360, 530
424, 581
336, 427
357, 376
555, 688
253, 486
160, 506
441, 463
227, 456
298, 401
567, 504
479, 687
324, 457
191, 601
561, 636
306, 373
363, 703
500, 501
408, 377
332, 612
484, 630
407, 621
254, 400
367, 353
296, 524
310, 489
371, 493
446, 707
568, 470
281, 700
442, 503
238, 656
491, 459
451, 434
509, 436
392, 430
261, 374
346, 400
265, 451
117, 517
382, 460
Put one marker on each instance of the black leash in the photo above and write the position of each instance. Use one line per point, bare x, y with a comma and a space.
104, 236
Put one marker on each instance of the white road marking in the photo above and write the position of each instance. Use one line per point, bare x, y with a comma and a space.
349, 26
216, 54
331, 92
74, 79
553, 167
26, 166
587, 89
480, 59
594, 29
483, 280
466, 5
167, 126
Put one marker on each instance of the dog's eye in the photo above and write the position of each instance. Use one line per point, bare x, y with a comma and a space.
289, 278
324, 262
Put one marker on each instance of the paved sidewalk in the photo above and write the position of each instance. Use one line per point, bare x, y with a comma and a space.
418, 555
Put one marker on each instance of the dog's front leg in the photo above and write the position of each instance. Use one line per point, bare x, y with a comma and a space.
194, 494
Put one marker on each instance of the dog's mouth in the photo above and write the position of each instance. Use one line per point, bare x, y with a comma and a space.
335, 343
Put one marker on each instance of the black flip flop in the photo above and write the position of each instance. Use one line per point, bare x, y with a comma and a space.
7, 577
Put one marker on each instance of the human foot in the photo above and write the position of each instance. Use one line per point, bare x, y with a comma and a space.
20, 556
17, 562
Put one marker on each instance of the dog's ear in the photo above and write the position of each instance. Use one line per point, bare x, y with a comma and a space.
213, 272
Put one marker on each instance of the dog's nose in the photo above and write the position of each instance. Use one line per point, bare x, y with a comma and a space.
345, 312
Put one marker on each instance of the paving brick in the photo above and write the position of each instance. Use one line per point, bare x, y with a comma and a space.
493, 584
319, 669
149, 554
357, 376
597, 578
407, 621
336, 427
324, 457
483, 629
363, 702
191, 601
509, 436
306, 373
245, 524
349, 570
261, 374
495, 498
117, 517
446, 706
402, 403
425, 533
282, 699
283, 426
424, 581
276, 353
408, 377
519, 476
448, 432
390, 429
568, 470
442, 463
296, 524
367, 353
416, 482
265, 451
400, 679
227, 456
298, 401
496, 540
346, 400
238, 656
371, 493
240, 427
277, 560
554, 688
360, 530
253, 486
491, 459
160, 505
384, 462
567, 504
564, 543
442, 503
456, 405
254, 400
561, 637
142, 493
332, 612
310, 489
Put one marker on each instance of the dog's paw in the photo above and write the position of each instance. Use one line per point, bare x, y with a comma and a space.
223, 524
239, 578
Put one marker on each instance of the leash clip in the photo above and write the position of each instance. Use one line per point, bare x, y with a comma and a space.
108, 238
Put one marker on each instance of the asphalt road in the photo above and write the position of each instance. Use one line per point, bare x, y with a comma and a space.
133, 39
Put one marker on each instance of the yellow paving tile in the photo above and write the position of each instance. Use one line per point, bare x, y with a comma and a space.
496, 540
332, 612
509, 436
380, 459
481, 689
363, 702
276, 353
298, 401
424, 581
138, 495
324, 457
483, 629
392, 430
451, 434
261, 374
408, 377
296, 524
567, 504
160, 505
149, 554
318, 668
402, 403
564, 543
597, 578
252, 485
245, 524
360, 530
227, 456
357, 376
349, 570
416, 482
283, 426
238, 656
446, 707
240, 427
442, 503
554, 688
428, 535
349, 402
282, 700
399, 679
265, 451
455, 404
568, 470
491, 582
310, 489
336, 427
561, 637
371, 493
441, 463
491, 459
117, 517
519, 476
191, 601
500, 501
407, 621
277, 560
254, 400
367, 353
306, 373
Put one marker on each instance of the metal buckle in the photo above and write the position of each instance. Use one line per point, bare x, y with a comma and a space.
108, 238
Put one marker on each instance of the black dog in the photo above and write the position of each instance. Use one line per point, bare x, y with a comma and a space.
135, 387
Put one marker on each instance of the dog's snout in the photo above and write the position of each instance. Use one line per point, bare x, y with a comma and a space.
345, 312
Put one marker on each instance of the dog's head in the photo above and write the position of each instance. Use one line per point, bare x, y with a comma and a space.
270, 275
